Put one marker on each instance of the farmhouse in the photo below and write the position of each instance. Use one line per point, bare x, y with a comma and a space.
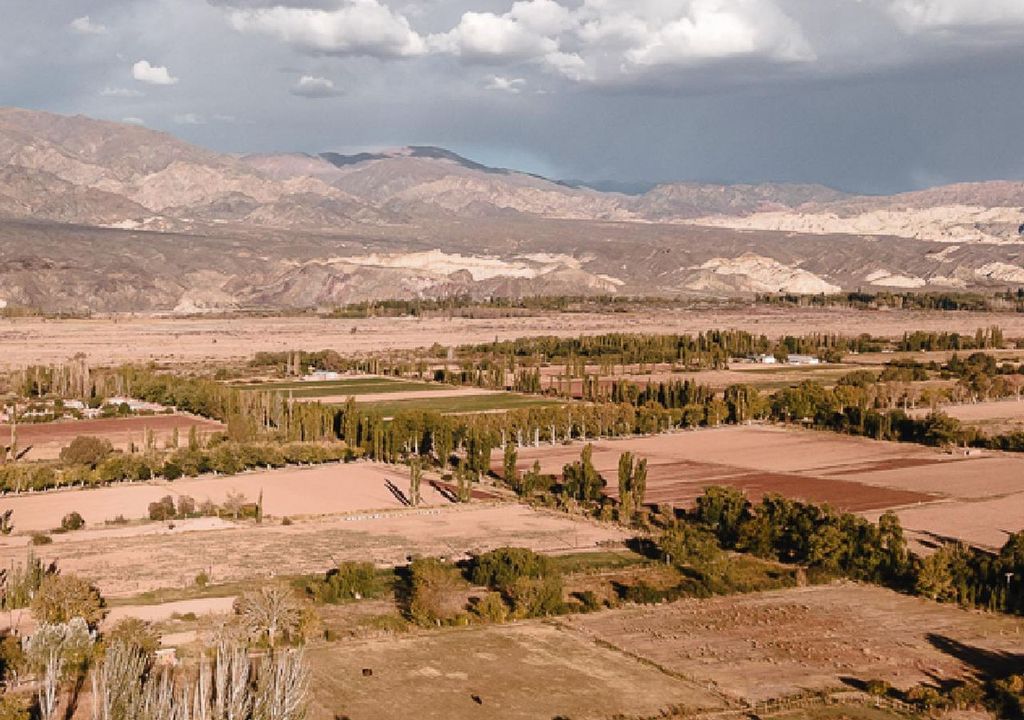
803, 360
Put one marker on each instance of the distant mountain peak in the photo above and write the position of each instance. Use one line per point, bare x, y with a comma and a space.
428, 152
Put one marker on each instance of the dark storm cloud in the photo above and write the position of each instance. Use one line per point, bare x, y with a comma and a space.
869, 95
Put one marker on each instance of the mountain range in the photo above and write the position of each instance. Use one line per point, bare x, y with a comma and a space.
106, 217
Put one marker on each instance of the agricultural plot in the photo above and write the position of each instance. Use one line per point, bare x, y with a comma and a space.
493, 672
125, 561
463, 403
288, 492
978, 499
994, 417
767, 645
344, 388
44, 441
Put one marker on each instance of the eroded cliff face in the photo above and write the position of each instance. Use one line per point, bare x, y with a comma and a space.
107, 217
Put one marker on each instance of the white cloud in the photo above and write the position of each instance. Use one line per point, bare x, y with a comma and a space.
505, 84
914, 15
651, 33
609, 40
358, 27
152, 74
85, 26
189, 119
133, 121
120, 92
530, 30
310, 86
494, 38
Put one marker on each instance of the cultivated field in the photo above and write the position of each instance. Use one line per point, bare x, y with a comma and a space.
760, 646
201, 340
978, 499
518, 672
994, 417
44, 441
288, 492
124, 561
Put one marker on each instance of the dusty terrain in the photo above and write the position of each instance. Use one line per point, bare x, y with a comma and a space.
759, 646
197, 340
994, 417
44, 441
320, 490
975, 498
437, 676
339, 512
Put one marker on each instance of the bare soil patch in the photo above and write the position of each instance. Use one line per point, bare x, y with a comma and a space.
46, 440
756, 647
27, 341
492, 672
127, 566
318, 490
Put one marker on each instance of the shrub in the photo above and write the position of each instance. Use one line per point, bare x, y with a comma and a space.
499, 569
15, 707
186, 506
529, 582
72, 521
435, 592
87, 451
63, 597
536, 597
491, 608
172, 470
348, 581
202, 580
134, 634
589, 601
163, 509
41, 539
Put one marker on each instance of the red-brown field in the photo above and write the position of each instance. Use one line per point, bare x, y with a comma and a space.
978, 499
44, 441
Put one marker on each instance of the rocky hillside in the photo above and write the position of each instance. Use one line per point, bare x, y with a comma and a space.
108, 217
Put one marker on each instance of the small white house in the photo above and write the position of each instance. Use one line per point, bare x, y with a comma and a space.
322, 375
763, 359
803, 360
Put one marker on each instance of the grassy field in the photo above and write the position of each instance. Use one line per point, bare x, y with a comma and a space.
464, 404
329, 388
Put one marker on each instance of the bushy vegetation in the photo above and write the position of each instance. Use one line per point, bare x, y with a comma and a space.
348, 581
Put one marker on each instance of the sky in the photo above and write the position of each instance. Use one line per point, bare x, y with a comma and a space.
870, 96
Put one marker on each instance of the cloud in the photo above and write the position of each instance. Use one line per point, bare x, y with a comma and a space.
309, 86
85, 26
189, 119
133, 121
528, 31
916, 15
613, 40
686, 32
152, 74
358, 27
120, 92
505, 84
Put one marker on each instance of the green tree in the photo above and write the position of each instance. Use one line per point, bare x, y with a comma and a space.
86, 450
415, 481
581, 480
723, 510
511, 475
